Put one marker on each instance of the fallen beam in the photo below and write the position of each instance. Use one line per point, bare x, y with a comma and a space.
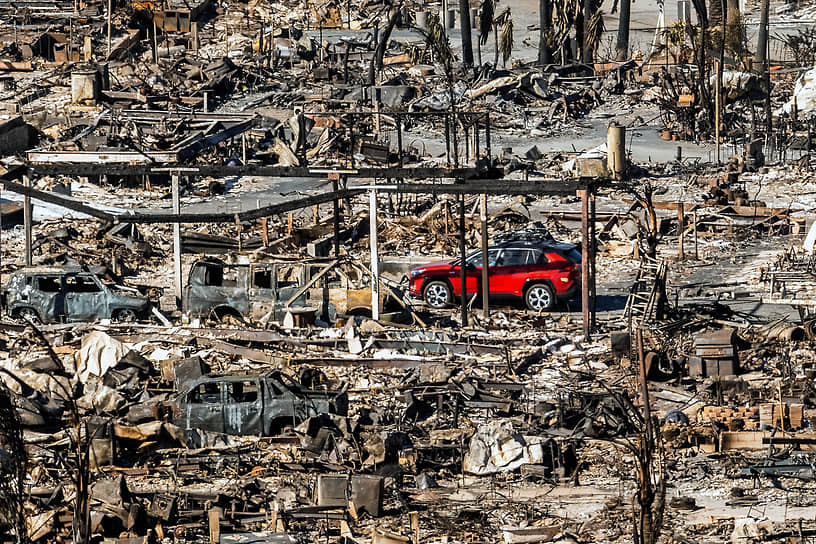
169, 218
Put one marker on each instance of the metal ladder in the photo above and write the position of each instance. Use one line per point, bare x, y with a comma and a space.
641, 304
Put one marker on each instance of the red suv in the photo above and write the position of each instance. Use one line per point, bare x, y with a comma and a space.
540, 272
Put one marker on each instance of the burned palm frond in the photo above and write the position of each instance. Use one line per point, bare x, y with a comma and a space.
506, 36
595, 29
486, 14
802, 45
437, 39
13, 468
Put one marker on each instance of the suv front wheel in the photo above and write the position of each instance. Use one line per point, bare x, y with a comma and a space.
28, 314
539, 297
437, 294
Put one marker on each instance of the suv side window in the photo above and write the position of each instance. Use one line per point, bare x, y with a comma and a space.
536, 256
492, 256
81, 284
262, 278
287, 275
48, 284
514, 257
246, 391
207, 392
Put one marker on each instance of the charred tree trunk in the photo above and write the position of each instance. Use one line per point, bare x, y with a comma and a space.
622, 45
703, 98
376, 64
495, 46
716, 13
762, 38
544, 24
586, 48
464, 24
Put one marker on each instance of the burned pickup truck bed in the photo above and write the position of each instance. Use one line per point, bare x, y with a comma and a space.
252, 404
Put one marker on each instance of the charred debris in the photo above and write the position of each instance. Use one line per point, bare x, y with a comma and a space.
328, 272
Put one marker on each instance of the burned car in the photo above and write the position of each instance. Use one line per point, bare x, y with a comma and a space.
268, 290
56, 294
252, 404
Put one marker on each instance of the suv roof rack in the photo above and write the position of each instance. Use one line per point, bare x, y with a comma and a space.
531, 232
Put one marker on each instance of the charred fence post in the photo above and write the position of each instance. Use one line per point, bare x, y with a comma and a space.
176, 238
593, 250
584, 193
375, 263
27, 213
681, 225
335, 178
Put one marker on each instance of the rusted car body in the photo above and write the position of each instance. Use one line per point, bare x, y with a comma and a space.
268, 290
56, 294
247, 404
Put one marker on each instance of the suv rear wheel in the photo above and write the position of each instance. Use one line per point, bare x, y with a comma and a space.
125, 315
437, 294
539, 297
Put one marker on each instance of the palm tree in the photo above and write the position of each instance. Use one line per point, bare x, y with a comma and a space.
486, 12
622, 45
379, 54
544, 24
464, 24
437, 40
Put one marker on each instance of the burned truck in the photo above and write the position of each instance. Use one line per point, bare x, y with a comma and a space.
268, 290
262, 404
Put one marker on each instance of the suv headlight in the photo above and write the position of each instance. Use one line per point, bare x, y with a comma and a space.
416, 272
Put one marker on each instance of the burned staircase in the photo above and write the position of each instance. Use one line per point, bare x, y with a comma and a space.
646, 293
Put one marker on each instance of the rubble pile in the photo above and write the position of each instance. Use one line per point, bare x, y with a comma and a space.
299, 272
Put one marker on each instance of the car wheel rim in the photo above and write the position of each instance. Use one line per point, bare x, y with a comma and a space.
437, 295
29, 315
539, 298
127, 315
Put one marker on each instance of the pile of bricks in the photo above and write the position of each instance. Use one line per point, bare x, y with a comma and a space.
769, 414
749, 415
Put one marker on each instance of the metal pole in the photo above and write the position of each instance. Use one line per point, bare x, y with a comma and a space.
399, 140
696, 255
110, 15
681, 221
485, 263
592, 249
717, 109
584, 193
336, 208
487, 139
462, 266
27, 213
447, 140
176, 238
375, 259
644, 387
